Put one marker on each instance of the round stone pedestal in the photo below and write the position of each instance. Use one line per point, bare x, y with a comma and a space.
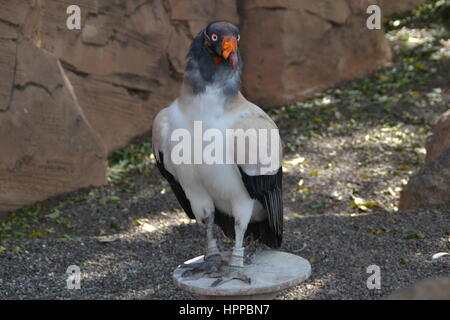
270, 271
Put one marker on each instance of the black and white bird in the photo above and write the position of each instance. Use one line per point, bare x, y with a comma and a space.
243, 198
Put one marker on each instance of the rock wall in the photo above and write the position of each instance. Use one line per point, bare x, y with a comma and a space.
70, 97
48, 147
439, 140
293, 49
431, 185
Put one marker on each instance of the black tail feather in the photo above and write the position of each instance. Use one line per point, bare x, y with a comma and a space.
258, 230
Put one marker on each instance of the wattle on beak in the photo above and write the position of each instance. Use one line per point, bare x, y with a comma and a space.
229, 48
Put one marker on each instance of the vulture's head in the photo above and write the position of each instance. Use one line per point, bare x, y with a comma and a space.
221, 40
214, 56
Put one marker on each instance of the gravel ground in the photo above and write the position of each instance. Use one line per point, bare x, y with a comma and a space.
137, 264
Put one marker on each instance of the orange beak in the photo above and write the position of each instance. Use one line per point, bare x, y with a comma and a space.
229, 46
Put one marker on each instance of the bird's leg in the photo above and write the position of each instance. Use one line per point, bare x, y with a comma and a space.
212, 243
212, 260
237, 255
235, 268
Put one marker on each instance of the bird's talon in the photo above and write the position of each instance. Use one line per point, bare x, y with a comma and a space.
233, 273
210, 265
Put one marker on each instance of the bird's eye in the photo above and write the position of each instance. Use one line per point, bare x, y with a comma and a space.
238, 37
214, 37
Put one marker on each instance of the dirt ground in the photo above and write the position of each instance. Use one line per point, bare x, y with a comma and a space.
348, 153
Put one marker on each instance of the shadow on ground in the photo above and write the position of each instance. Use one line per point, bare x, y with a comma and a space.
138, 264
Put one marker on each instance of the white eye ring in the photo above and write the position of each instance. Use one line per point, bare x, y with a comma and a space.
214, 37
238, 37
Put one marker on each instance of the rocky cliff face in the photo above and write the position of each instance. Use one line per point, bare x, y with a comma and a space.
304, 47
69, 97
47, 145
431, 184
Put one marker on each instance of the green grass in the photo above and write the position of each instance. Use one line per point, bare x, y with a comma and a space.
123, 163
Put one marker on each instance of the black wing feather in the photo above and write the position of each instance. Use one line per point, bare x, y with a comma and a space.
267, 190
176, 187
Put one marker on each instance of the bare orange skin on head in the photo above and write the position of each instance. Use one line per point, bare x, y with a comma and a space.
228, 46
